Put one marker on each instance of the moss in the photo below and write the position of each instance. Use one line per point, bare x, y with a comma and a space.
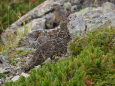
2, 75
102, 38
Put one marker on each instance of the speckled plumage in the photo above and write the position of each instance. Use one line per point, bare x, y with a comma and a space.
56, 45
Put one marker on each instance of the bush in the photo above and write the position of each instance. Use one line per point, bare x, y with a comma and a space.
91, 63
102, 38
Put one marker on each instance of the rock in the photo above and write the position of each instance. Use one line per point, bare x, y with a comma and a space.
37, 12
5, 67
76, 24
47, 61
31, 40
31, 19
7, 70
41, 27
108, 7
25, 74
32, 29
37, 67
3, 59
38, 24
4, 70
15, 78
87, 2
95, 2
0, 81
34, 25
90, 18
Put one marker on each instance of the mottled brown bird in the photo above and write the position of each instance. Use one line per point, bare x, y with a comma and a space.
56, 45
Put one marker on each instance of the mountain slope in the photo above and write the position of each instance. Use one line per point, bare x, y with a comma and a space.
91, 62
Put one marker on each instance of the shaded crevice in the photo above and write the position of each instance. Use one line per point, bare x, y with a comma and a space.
51, 26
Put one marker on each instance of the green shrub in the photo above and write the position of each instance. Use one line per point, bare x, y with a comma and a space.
93, 64
102, 38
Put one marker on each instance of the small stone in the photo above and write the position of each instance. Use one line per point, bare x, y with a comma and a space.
47, 61
15, 78
25, 74
3, 59
0, 81
1, 70
37, 67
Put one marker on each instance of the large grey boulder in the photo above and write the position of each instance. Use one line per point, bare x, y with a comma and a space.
37, 12
37, 27
91, 17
